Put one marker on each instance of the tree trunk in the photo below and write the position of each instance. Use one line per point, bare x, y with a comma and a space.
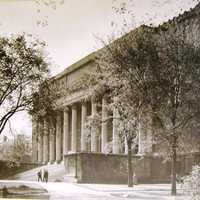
130, 168
173, 168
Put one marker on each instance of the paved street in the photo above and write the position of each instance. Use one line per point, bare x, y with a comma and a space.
73, 191
109, 192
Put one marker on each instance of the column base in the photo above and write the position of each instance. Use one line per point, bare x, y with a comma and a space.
71, 152
58, 161
50, 162
45, 163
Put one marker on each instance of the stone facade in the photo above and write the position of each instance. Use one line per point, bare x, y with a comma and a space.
69, 134
67, 139
112, 168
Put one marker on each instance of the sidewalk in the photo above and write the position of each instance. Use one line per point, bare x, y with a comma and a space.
109, 192
74, 191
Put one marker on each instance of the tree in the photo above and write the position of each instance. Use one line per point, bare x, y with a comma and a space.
124, 75
23, 68
153, 75
52, 4
17, 150
178, 77
174, 105
191, 183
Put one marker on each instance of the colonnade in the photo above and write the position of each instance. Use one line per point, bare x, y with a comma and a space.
68, 133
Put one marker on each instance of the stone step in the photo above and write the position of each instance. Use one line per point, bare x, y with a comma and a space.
56, 173
69, 179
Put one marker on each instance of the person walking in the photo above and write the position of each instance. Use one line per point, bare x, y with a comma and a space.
39, 175
45, 175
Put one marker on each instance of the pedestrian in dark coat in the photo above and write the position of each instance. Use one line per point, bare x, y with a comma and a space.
45, 175
39, 175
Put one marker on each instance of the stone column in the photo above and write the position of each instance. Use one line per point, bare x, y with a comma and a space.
94, 142
145, 139
149, 136
40, 146
125, 146
74, 129
40, 143
83, 131
45, 143
66, 131
104, 126
141, 140
116, 139
52, 145
58, 137
140, 151
34, 140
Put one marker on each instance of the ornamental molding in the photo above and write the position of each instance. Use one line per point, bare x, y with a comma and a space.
66, 101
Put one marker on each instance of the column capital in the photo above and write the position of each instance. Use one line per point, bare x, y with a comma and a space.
83, 102
94, 100
58, 112
66, 109
74, 106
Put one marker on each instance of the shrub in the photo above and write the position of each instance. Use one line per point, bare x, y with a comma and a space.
191, 183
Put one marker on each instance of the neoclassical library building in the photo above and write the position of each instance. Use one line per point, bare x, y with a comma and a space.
103, 157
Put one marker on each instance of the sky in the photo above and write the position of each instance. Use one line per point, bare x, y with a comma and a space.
71, 31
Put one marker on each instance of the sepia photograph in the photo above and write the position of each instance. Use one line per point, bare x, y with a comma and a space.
100, 99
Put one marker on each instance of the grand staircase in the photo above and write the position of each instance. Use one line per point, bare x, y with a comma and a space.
56, 173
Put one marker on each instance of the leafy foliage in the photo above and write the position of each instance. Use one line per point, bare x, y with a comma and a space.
16, 151
177, 108
191, 183
22, 70
45, 100
124, 78
124, 70
154, 81
52, 4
